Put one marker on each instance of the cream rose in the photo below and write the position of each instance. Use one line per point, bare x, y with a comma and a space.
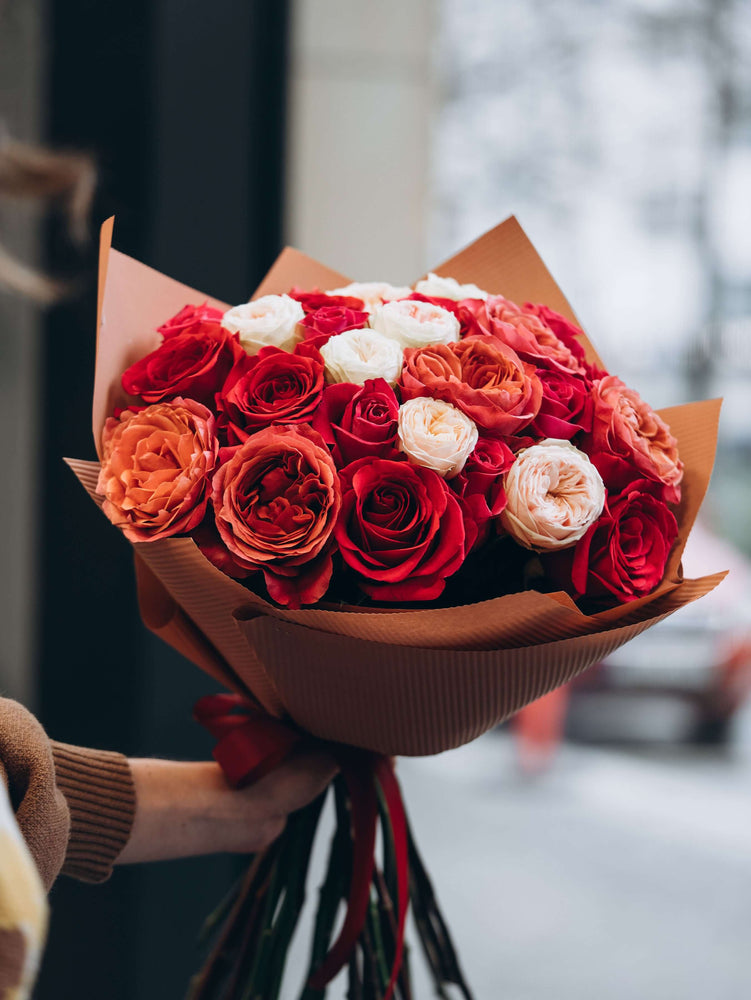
436, 435
554, 495
438, 287
372, 293
416, 324
270, 321
357, 355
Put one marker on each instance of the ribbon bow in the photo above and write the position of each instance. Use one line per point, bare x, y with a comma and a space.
250, 745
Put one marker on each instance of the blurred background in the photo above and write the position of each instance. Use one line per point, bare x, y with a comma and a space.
599, 845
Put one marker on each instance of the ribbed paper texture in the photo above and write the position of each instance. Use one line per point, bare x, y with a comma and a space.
392, 680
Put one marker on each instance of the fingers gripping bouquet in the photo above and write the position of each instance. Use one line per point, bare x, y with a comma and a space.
386, 517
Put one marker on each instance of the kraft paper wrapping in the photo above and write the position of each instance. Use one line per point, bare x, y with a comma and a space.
392, 680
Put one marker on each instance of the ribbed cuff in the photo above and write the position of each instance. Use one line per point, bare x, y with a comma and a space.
98, 787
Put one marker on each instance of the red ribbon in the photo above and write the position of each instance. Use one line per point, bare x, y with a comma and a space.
251, 744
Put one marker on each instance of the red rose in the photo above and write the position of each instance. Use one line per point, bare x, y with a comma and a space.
624, 553
275, 502
401, 529
566, 407
192, 361
526, 333
320, 324
310, 301
272, 386
480, 484
359, 421
483, 377
189, 317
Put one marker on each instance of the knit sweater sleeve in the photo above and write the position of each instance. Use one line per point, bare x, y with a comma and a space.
74, 807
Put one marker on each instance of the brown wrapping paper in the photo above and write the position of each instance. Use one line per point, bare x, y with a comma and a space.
392, 680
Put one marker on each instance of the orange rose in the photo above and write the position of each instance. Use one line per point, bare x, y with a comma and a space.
626, 427
156, 469
481, 376
276, 501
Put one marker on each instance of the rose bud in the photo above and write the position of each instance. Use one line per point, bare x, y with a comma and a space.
413, 323
273, 386
437, 287
359, 421
156, 469
625, 552
627, 428
321, 324
553, 495
275, 504
372, 293
358, 355
270, 321
436, 435
401, 529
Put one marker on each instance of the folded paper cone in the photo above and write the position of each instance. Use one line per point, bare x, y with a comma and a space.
387, 679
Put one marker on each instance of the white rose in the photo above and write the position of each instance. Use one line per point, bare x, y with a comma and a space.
438, 287
436, 434
270, 321
372, 293
554, 494
357, 355
415, 324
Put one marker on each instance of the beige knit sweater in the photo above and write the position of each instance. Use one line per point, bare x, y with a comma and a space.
74, 808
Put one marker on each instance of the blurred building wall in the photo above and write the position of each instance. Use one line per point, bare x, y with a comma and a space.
360, 106
21, 68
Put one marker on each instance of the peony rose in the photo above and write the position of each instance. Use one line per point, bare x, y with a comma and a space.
480, 484
463, 310
156, 469
436, 286
358, 355
193, 360
274, 386
270, 321
627, 428
359, 421
275, 503
413, 323
526, 333
625, 552
482, 377
553, 496
189, 317
372, 293
310, 301
566, 407
401, 529
436, 435
321, 324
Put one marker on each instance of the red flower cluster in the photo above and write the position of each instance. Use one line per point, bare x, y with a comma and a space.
327, 461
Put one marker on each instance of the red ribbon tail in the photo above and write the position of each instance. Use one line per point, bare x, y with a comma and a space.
384, 772
357, 771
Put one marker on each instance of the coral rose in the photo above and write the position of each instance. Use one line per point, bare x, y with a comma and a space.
156, 471
401, 529
275, 503
626, 427
436, 434
271, 387
482, 377
553, 496
527, 334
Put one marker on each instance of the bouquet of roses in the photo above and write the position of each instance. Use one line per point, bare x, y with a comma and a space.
388, 517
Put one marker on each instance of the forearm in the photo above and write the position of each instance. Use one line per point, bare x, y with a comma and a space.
186, 809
